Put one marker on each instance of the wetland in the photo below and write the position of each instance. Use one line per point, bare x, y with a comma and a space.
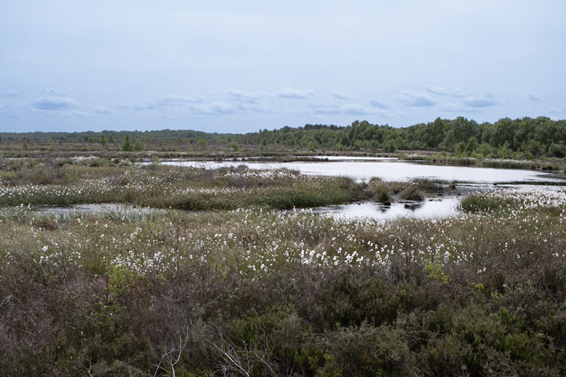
109, 267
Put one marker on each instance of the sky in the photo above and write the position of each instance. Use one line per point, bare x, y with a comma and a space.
241, 66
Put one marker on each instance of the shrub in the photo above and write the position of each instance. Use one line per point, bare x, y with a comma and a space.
412, 193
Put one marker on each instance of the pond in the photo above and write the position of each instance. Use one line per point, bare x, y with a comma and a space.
389, 170
121, 210
429, 209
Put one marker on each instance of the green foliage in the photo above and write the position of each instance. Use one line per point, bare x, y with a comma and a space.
436, 271
506, 138
138, 146
382, 196
127, 145
412, 193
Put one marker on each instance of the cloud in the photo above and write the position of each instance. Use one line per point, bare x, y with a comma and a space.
445, 92
246, 96
486, 100
339, 95
294, 93
215, 109
437, 90
166, 100
180, 107
13, 93
377, 104
534, 97
415, 99
459, 93
322, 108
54, 103
457, 108
220, 108
102, 110
53, 92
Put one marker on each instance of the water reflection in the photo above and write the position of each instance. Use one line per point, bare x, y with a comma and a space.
121, 210
429, 209
387, 170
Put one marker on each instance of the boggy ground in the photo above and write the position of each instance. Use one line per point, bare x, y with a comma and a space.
255, 292
93, 180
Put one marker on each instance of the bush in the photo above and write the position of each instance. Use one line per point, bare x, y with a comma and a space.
412, 193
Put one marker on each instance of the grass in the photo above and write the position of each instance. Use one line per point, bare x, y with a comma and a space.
86, 181
257, 292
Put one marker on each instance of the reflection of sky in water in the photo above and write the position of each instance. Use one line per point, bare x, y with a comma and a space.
388, 171
122, 210
368, 210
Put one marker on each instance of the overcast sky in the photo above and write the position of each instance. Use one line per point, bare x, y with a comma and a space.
241, 66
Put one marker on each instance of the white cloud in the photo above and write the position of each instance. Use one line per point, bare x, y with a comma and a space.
323, 108
53, 92
246, 96
437, 90
486, 100
534, 97
339, 95
12, 93
377, 104
54, 103
102, 110
457, 108
458, 93
166, 100
415, 99
294, 93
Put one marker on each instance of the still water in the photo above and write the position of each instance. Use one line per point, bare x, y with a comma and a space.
388, 170
429, 209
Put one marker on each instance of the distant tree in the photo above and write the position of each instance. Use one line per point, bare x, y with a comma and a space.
472, 145
449, 141
557, 150
127, 146
460, 149
103, 141
138, 146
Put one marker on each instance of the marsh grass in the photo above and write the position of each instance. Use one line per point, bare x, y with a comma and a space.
267, 293
86, 181
257, 292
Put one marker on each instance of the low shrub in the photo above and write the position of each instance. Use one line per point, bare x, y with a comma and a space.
412, 193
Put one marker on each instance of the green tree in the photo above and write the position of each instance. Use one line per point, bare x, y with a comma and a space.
138, 146
127, 146
472, 145
103, 141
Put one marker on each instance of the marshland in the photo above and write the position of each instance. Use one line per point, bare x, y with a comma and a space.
282, 188
231, 271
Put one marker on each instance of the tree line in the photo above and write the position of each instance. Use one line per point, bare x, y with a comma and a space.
524, 137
